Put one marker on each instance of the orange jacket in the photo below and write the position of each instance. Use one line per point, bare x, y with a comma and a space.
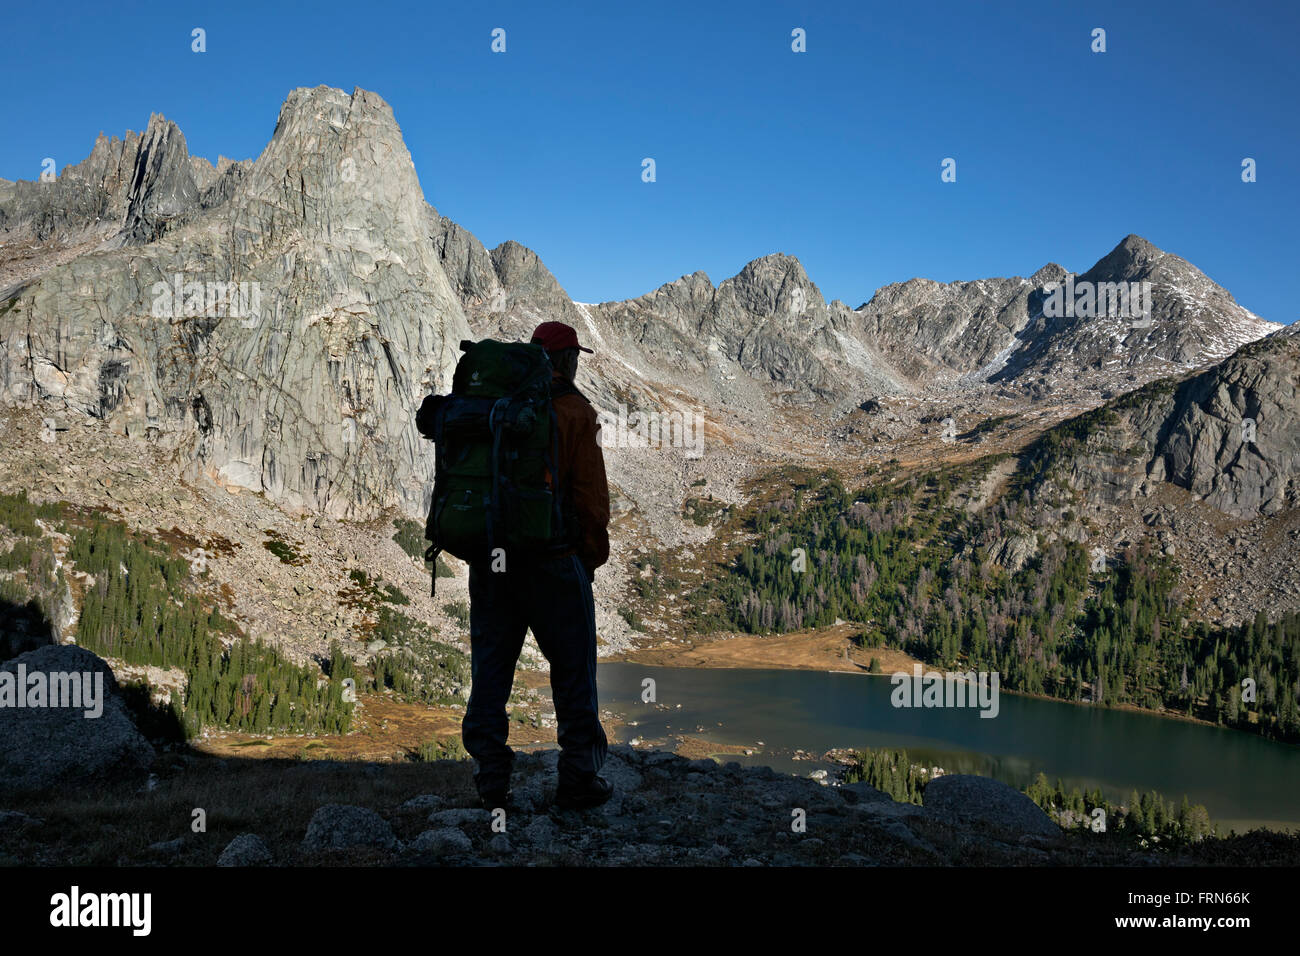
582, 474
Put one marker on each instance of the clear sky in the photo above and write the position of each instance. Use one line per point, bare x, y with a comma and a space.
833, 155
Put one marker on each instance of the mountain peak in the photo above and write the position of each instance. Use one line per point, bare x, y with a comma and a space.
337, 157
162, 189
776, 263
1132, 258
520, 269
324, 103
343, 315
1052, 272
324, 125
1136, 243
766, 283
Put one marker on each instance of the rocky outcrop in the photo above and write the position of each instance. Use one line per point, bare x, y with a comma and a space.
945, 331
987, 801
1229, 435
1012, 551
1232, 435
667, 811
129, 190
338, 827
88, 739
1191, 322
671, 811
247, 849
282, 339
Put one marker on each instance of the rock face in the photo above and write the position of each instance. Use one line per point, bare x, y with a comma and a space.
768, 324
1233, 434
282, 337
131, 190
944, 331
48, 746
1191, 322
1230, 435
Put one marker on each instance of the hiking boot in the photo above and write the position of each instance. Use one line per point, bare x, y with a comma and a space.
583, 796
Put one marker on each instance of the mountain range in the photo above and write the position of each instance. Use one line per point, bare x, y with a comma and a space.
270, 325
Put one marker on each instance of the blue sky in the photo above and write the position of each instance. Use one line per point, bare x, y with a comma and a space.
832, 155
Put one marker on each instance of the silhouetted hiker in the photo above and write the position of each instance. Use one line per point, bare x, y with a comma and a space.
532, 555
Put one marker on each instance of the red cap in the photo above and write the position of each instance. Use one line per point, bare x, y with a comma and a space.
554, 336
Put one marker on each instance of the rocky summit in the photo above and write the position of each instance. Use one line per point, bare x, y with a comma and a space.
274, 331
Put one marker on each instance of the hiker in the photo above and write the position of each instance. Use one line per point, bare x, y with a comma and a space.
548, 590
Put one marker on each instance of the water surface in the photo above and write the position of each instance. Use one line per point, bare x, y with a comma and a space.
1243, 780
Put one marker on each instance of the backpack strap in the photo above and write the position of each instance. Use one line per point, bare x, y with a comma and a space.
552, 464
431, 556
494, 505
434, 422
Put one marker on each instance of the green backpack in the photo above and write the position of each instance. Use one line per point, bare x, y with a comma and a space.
496, 443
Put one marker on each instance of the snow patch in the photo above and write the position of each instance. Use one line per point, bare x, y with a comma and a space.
584, 310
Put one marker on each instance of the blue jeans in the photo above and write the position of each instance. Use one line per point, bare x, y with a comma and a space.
553, 597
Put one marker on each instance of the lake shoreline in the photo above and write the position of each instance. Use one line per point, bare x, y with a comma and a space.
808, 650
784, 717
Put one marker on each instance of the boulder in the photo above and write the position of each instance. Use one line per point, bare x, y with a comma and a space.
247, 849
443, 841
984, 800
862, 793
340, 827
541, 833
62, 746
459, 817
622, 774
425, 801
